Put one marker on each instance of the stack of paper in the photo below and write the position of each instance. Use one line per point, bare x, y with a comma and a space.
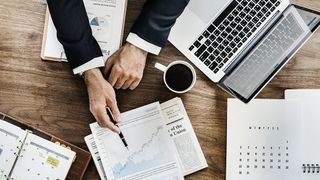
161, 141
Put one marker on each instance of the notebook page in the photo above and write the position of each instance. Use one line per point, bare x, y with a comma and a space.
262, 139
11, 138
42, 159
310, 128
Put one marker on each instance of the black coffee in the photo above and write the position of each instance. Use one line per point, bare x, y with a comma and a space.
179, 77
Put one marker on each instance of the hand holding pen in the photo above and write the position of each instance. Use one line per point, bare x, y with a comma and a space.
115, 123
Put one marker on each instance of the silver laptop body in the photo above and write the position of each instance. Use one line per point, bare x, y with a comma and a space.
242, 44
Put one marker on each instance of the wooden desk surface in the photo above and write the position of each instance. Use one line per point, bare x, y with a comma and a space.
48, 96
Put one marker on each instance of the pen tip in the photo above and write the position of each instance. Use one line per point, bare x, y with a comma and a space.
127, 148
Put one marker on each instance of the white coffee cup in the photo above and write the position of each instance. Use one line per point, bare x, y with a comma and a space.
190, 70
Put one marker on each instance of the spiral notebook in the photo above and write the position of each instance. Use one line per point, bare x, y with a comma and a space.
24, 155
274, 139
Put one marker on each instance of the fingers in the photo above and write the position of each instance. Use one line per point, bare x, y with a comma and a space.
127, 84
120, 82
107, 67
100, 113
114, 75
126, 67
134, 84
123, 80
114, 110
109, 63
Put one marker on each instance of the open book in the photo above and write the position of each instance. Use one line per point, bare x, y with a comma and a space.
162, 144
24, 155
106, 19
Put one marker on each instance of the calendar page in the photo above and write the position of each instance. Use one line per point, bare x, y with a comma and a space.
310, 160
42, 159
11, 138
262, 140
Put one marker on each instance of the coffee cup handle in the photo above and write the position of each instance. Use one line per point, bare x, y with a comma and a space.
160, 67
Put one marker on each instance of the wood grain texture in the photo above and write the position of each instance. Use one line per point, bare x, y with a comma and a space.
48, 96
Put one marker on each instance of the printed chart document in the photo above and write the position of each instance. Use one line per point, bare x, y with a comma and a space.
106, 19
151, 153
178, 125
190, 155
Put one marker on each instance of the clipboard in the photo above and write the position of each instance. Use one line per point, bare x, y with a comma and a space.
58, 55
43, 55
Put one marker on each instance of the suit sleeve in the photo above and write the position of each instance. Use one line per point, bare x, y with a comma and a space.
73, 31
156, 19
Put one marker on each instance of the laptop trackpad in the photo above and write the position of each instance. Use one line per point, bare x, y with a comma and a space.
207, 9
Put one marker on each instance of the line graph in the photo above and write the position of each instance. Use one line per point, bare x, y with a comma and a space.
148, 144
151, 151
118, 168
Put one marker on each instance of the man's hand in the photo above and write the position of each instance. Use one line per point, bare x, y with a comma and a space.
101, 95
125, 67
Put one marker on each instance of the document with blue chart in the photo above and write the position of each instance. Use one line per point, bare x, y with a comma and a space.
179, 128
106, 19
264, 140
151, 153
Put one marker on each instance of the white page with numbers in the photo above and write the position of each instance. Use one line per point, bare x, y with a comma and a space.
11, 138
263, 140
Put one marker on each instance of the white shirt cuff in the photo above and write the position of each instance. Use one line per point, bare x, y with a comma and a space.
94, 63
143, 44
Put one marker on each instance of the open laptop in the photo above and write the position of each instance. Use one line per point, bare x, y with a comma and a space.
242, 44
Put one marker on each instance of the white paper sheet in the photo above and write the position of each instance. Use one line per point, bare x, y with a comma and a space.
95, 156
151, 153
263, 140
190, 157
42, 159
106, 20
11, 138
310, 129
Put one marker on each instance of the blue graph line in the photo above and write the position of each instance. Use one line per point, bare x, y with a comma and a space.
140, 151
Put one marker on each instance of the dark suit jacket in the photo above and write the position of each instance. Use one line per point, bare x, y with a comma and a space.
74, 32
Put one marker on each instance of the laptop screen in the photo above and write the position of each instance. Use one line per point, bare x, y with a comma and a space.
258, 67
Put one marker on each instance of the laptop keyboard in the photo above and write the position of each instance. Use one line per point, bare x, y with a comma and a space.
264, 58
223, 37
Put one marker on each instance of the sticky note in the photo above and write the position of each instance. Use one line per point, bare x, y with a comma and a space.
53, 161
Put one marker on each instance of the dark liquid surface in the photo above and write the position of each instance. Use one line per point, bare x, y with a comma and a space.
179, 77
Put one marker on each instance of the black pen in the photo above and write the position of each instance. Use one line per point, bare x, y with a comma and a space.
115, 123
